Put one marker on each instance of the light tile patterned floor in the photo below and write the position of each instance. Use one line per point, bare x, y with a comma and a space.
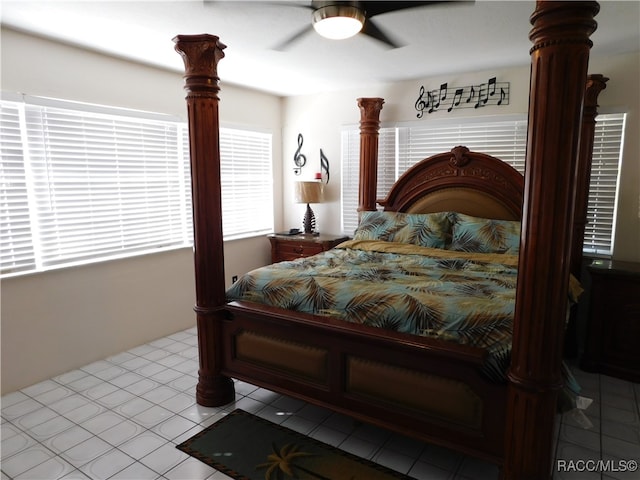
120, 418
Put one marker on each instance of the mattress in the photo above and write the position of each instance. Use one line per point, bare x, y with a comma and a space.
462, 297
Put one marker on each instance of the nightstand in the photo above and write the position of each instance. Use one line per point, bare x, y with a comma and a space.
613, 330
290, 247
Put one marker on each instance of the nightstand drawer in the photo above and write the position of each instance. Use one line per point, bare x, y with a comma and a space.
293, 250
285, 247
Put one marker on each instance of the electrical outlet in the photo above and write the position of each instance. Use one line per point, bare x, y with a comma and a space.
234, 279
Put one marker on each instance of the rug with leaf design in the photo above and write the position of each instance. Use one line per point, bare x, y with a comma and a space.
246, 447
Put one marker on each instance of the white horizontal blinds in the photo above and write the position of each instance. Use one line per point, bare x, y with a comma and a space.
83, 182
601, 210
104, 184
246, 182
503, 139
16, 247
185, 166
401, 147
387, 165
350, 153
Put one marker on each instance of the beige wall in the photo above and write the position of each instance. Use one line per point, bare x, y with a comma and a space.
320, 117
56, 321
59, 320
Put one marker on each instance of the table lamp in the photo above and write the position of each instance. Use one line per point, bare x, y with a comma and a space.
309, 192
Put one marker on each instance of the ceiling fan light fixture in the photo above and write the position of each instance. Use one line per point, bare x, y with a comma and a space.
338, 22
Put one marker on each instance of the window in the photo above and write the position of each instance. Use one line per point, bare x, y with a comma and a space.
603, 186
247, 183
16, 247
504, 137
83, 183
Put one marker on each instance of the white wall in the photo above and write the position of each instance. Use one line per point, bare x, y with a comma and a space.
57, 321
320, 117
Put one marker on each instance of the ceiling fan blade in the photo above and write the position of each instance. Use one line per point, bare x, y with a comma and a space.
373, 8
282, 46
244, 3
371, 30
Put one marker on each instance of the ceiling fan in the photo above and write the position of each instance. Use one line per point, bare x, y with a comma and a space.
343, 19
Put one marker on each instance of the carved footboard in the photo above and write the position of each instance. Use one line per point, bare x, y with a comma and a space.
413, 385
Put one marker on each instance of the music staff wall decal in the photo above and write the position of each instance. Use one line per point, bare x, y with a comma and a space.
473, 96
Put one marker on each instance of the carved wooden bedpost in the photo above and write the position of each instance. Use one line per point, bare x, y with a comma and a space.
559, 61
369, 126
201, 54
595, 84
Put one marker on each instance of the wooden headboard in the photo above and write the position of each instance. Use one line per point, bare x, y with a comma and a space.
462, 181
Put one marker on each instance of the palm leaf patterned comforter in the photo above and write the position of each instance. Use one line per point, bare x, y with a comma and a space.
463, 297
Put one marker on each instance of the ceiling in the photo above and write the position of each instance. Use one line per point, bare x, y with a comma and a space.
439, 39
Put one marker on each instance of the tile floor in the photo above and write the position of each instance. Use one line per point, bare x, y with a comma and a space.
120, 418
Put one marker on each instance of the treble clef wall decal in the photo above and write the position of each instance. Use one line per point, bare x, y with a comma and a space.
324, 167
298, 158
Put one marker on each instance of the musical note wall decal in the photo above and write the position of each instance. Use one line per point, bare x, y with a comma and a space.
503, 95
483, 96
472, 93
420, 104
457, 95
492, 86
477, 96
299, 159
324, 167
442, 96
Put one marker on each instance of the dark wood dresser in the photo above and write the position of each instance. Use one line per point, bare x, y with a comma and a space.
290, 247
613, 330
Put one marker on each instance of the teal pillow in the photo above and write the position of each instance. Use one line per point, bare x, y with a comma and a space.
423, 229
484, 235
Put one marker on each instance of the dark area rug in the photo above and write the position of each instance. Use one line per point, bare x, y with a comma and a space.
247, 447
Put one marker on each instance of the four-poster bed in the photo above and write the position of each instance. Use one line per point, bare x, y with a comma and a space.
380, 376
